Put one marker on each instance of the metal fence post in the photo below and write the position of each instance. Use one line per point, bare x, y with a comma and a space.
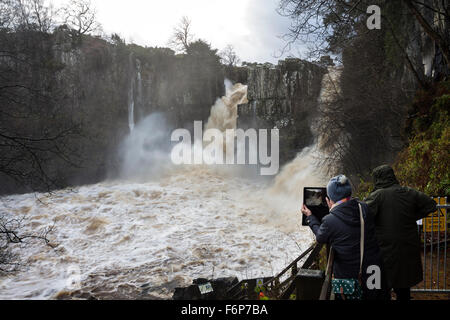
441, 243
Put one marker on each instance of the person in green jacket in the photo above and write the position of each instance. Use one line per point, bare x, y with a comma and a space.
396, 210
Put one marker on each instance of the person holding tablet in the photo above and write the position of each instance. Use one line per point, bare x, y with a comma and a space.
350, 230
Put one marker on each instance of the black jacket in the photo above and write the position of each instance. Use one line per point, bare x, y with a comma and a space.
342, 230
396, 210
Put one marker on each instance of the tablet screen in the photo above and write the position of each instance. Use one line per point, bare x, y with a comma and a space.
315, 200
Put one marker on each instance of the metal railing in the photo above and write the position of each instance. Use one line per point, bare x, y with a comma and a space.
433, 231
281, 286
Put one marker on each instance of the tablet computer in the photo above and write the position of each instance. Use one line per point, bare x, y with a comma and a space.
315, 200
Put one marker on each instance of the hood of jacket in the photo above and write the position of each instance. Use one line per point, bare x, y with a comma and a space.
384, 177
348, 212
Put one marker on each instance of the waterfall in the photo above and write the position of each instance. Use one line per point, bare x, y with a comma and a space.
131, 113
131, 104
224, 112
139, 86
134, 94
428, 59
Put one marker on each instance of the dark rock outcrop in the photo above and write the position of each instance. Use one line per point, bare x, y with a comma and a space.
283, 97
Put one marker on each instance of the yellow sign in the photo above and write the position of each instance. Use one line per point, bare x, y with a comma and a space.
438, 220
434, 224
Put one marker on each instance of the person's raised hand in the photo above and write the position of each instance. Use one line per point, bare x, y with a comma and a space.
306, 211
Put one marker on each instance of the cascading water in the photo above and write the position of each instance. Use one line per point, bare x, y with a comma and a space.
135, 74
131, 106
129, 239
224, 112
139, 83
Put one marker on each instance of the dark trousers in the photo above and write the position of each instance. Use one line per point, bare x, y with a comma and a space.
403, 294
380, 294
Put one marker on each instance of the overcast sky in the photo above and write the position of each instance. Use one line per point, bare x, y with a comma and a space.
253, 27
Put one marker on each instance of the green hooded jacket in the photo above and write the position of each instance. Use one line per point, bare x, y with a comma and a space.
396, 210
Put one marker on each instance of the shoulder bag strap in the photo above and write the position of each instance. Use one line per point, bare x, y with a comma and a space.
362, 241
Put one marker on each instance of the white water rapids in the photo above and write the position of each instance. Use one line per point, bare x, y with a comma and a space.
115, 238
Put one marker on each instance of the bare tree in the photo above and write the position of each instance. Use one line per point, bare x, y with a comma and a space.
35, 15
43, 15
81, 16
6, 12
229, 56
430, 30
34, 131
182, 35
329, 25
11, 233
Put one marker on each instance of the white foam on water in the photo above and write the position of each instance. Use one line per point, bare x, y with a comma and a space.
193, 223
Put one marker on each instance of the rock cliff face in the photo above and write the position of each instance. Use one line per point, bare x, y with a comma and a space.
103, 88
283, 97
181, 87
423, 52
133, 82
147, 79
